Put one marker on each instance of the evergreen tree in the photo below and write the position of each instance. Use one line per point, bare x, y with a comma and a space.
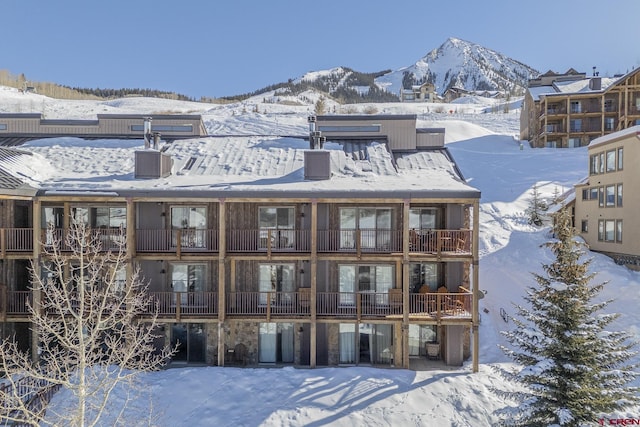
537, 207
574, 371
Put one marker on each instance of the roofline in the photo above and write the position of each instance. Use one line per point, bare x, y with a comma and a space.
346, 117
193, 195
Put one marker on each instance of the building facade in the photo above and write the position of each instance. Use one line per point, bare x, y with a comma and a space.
265, 251
605, 216
572, 109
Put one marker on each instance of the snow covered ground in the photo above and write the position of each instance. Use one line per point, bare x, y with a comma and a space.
484, 144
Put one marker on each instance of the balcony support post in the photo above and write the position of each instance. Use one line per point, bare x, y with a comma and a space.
222, 236
314, 283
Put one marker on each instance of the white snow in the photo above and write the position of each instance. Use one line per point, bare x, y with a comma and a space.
491, 160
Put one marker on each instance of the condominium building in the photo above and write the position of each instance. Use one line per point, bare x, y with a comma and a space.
572, 109
356, 245
605, 217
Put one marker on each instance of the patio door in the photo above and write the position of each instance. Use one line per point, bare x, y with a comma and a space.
186, 278
190, 341
276, 343
277, 283
192, 223
366, 343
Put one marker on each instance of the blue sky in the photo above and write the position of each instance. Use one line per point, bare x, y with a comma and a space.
218, 47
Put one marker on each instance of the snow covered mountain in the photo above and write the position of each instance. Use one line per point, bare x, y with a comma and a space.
459, 63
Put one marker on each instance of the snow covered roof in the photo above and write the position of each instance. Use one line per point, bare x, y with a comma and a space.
633, 130
239, 166
570, 87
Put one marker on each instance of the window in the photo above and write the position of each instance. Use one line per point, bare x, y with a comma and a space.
607, 230
365, 279
373, 224
423, 218
601, 197
163, 128
608, 106
101, 217
277, 226
277, 284
420, 334
574, 142
609, 123
594, 193
551, 144
611, 195
611, 161
585, 194
619, 231
426, 273
601, 163
354, 128
620, 158
593, 164
276, 343
575, 125
187, 278
575, 107
3, 126
192, 223
366, 343
585, 226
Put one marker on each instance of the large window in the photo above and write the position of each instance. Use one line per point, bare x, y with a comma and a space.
276, 343
373, 281
277, 226
418, 336
366, 343
101, 217
576, 107
610, 195
423, 218
192, 223
276, 283
187, 278
427, 274
575, 125
611, 160
373, 225
607, 230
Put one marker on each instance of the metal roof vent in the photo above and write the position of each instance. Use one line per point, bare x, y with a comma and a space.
152, 164
317, 164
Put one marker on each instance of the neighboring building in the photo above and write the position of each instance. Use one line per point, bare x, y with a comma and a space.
18, 128
425, 92
360, 252
607, 221
454, 93
570, 110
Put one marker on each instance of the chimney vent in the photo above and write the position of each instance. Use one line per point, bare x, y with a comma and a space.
317, 164
152, 164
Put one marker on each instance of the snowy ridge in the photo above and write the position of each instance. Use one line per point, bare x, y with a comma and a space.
462, 64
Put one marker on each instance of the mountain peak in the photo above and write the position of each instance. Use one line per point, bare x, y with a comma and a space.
463, 64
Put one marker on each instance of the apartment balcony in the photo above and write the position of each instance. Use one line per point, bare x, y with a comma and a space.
439, 242
272, 305
179, 305
268, 305
176, 241
553, 111
360, 240
269, 240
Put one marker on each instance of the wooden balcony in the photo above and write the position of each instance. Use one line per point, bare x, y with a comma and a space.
20, 240
178, 305
440, 241
360, 240
269, 305
16, 240
269, 240
176, 240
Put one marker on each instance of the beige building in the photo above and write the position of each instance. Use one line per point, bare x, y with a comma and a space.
425, 92
571, 109
264, 251
606, 203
